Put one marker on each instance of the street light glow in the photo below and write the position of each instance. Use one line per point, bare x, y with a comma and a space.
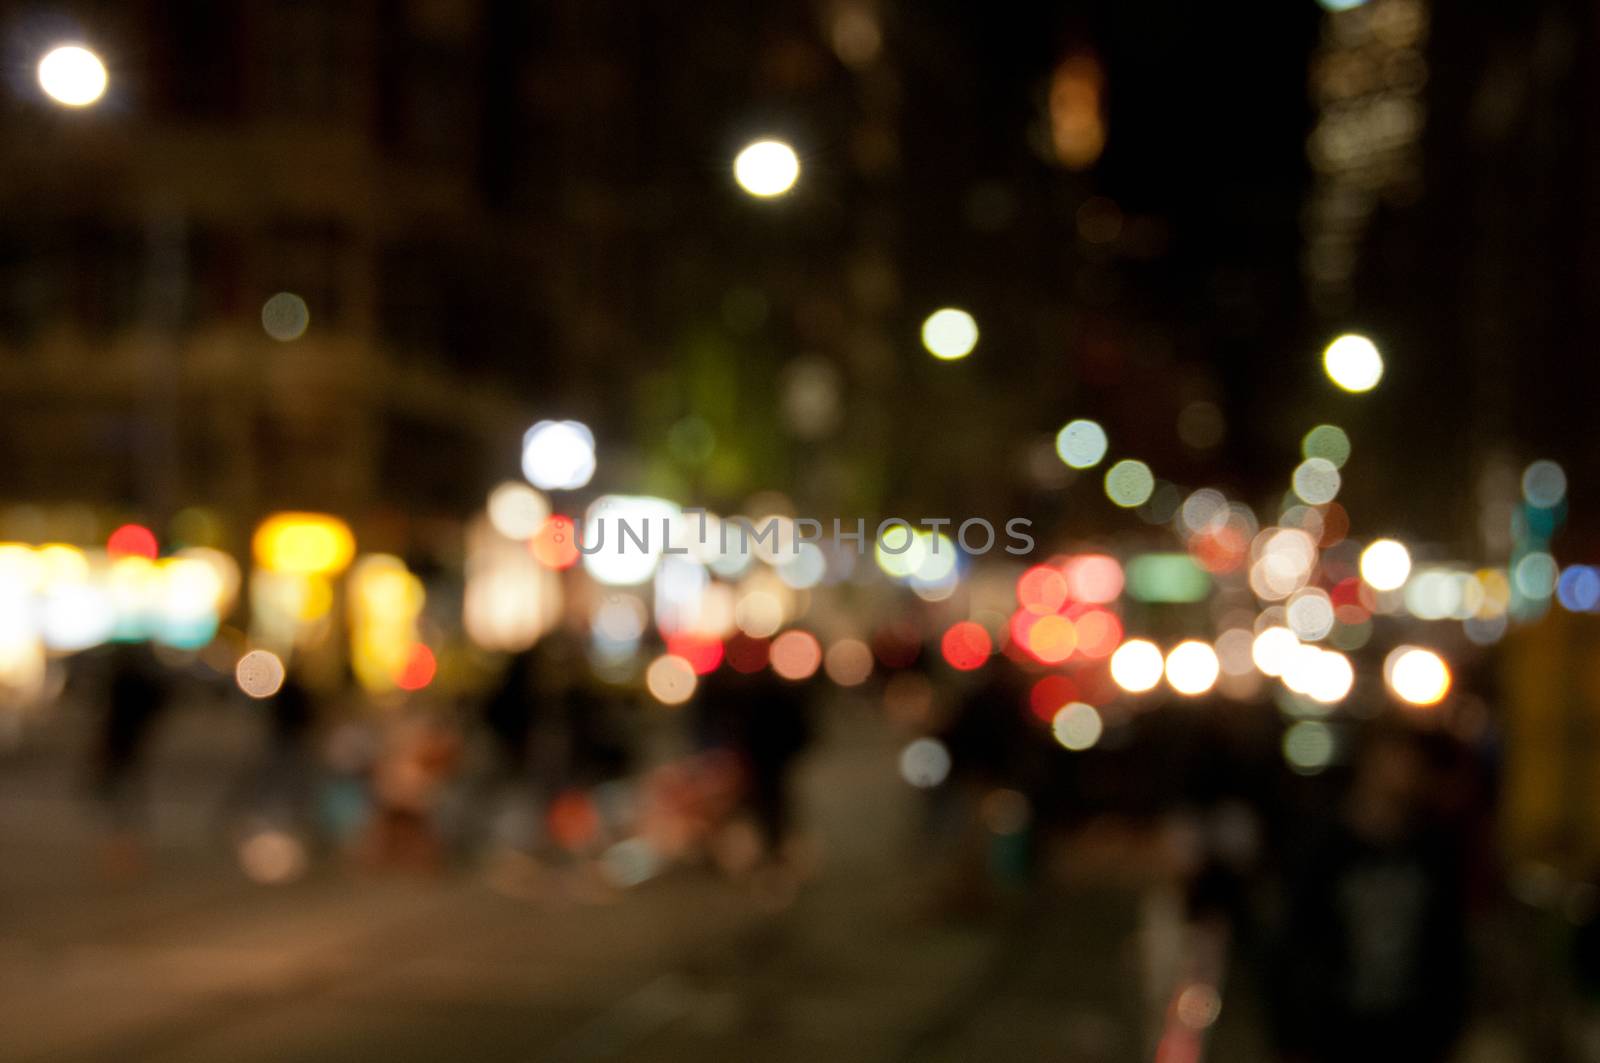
1353, 363
558, 455
72, 75
766, 168
1192, 668
1417, 676
1385, 565
1137, 666
949, 334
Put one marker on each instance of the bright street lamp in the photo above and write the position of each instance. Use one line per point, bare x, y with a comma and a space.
72, 75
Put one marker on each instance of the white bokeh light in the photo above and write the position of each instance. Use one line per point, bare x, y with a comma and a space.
1077, 726
1137, 666
72, 75
1192, 668
1385, 564
1353, 363
766, 168
925, 763
517, 511
624, 537
558, 455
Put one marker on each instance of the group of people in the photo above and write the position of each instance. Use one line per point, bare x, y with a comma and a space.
548, 762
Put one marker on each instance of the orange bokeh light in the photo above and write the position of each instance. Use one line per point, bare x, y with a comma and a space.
555, 544
1041, 590
419, 669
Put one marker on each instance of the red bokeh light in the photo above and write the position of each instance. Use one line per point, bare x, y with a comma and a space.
1042, 590
703, 652
1049, 695
966, 645
555, 544
1335, 524
573, 820
746, 655
133, 540
1094, 578
1346, 592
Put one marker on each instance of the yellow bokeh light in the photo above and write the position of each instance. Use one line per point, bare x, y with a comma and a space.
1417, 676
304, 543
60, 563
949, 334
20, 568
72, 75
900, 552
1353, 363
1137, 666
1385, 565
1130, 483
385, 599
766, 168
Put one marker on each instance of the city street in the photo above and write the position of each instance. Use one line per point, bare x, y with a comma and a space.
195, 962
838, 530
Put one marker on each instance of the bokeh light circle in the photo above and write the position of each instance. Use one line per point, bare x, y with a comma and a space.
1192, 668
949, 333
796, 654
1316, 481
1077, 726
558, 455
1129, 483
1417, 676
966, 645
1081, 444
1544, 484
72, 75
848, 662
766, 168
1308, 746
1137, 666
259, 673
670, 679
517, 511
1385, 564
1353, 363
1328, 442
285, 317
925, 763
